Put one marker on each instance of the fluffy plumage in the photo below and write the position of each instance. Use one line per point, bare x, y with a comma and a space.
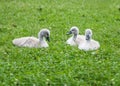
43, 35
89, 43
76, 39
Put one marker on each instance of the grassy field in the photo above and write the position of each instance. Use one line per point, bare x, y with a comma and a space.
60, 64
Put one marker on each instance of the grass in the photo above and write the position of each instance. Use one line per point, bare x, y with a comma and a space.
60, 64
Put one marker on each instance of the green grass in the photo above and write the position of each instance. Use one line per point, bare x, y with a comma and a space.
60, 64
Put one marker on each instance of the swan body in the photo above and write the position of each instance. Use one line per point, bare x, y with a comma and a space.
33, 41
76, 39
89, 43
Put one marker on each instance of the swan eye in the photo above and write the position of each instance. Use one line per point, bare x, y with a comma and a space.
47, 35
73, 30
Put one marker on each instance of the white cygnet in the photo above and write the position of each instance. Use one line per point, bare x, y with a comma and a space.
89, 43
31, 42
76, 39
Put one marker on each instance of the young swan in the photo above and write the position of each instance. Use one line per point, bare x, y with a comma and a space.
33, 41
89, 44
76, 39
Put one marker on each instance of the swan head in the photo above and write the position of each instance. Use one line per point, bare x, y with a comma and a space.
88, 34
74, 30
44, 33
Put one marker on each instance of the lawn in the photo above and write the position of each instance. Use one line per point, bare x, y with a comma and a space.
60, 64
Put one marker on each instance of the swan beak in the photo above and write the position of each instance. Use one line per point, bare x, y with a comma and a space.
48, 39
70, 32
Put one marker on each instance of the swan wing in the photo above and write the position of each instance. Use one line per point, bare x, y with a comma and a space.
92, 45
26, 42
80, 39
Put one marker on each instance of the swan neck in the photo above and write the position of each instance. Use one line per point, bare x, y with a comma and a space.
41, 38
74, 36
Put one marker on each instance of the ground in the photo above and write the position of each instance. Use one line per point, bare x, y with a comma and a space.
60, 64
